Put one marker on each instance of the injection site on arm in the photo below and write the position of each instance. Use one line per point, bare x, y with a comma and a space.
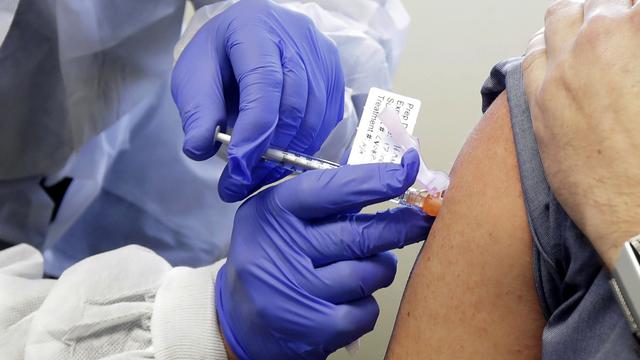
434, 183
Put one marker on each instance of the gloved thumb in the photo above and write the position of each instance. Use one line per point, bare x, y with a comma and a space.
318, 194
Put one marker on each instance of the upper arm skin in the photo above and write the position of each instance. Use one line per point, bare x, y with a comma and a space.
471, 294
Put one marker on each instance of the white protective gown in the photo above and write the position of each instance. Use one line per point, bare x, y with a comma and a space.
124, 304
84, 94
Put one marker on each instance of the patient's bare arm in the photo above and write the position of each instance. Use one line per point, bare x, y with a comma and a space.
471, 294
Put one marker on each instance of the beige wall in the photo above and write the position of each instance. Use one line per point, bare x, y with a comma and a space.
450, 49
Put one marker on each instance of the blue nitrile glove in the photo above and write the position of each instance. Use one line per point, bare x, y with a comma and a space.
271, 75
302, 266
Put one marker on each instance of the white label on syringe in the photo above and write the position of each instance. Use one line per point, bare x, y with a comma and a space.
373, 143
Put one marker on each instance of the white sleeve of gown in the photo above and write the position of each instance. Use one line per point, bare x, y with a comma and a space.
123, 304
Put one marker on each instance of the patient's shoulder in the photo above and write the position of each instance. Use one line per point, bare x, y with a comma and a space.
471, 294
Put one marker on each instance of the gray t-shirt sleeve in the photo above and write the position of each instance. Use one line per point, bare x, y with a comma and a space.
583, 318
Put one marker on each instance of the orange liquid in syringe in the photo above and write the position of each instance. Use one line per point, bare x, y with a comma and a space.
431, 205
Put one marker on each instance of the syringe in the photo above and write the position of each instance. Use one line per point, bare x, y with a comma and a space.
299, 163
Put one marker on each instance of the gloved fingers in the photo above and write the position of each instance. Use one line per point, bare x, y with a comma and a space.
333, 93
350, 280
292, 108
363, 235
257, 65
293, 103
318, 194
196, 85
322, 62
232, 190
351, 321
562, 22
314, 114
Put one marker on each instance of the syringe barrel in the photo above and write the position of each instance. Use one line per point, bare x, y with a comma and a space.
289, 160
297, 162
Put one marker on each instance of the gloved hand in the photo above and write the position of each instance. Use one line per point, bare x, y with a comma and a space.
271, 75
302, 266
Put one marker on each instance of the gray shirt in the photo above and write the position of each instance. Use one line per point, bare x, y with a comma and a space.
583, 318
